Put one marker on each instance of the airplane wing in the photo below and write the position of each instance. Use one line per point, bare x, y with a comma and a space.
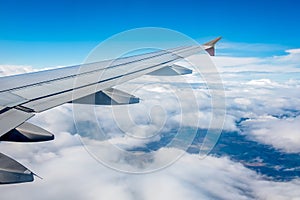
21, 96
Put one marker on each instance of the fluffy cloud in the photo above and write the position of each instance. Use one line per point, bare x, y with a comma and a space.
272, 108
14, 69
270, 100
72, 173
282, 133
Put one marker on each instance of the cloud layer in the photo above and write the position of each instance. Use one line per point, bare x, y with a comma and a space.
69, 172
262, 100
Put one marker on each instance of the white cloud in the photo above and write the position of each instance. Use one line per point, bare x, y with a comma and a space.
293, 51
283, 63
6, 70
282, 133
70, 172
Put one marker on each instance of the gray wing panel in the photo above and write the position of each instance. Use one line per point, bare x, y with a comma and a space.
8, 99
13, 172
48, 94
20, 101
11, 119
41, 84
30, 79
86, 84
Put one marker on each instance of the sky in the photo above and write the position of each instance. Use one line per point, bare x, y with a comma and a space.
257, 155
57, 33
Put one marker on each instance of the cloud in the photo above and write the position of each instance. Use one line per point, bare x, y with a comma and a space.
282, 133
72, 173
270, 101
283, 63
293, 51
6, 70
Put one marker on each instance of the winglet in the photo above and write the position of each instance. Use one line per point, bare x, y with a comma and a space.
210, 46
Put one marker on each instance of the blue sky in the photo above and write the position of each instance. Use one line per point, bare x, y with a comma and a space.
51, 33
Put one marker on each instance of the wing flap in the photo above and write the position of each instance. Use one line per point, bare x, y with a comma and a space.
13, 172
119, 97
173, 70
110, 96
11, 119
27, 132
8, 99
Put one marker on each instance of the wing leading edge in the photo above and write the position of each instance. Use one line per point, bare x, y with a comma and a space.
21, 96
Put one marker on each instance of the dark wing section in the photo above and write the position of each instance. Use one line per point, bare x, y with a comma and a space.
13, 172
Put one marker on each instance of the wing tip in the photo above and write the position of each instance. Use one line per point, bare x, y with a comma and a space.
210, 46
213, 42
